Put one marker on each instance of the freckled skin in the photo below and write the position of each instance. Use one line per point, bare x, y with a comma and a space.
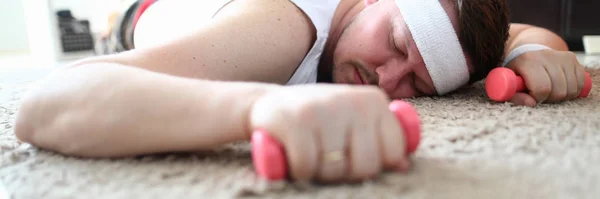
193, 85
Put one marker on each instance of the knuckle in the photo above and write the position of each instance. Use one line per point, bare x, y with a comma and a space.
570, 54
542, 90
307, 111
366, 167
300, 172
580, 83
571, 96
356, 98
374, 94
558, 95
372, 90
572, 93
330, 176
365, 173
580, 71
301, 166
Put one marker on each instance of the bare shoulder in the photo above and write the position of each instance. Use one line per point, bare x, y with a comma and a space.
245, 40
284, 11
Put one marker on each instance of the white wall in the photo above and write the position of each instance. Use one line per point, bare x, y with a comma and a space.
96, 11
42, 35
13, 34
41, 22
26, 23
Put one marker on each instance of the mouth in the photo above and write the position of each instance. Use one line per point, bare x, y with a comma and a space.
357, 78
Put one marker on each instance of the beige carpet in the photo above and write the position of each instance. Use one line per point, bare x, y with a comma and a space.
471, 149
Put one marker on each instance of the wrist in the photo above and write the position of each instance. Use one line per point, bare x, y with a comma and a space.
522, 49
253, 95
221, 110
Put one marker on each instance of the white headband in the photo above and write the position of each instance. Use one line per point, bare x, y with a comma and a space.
437, 42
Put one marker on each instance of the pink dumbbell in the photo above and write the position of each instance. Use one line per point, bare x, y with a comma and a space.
269, 158
502, 84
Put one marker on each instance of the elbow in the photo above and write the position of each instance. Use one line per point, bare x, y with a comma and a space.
24, 124
58, 113
45, 135
23, 131
28, 123
37, 125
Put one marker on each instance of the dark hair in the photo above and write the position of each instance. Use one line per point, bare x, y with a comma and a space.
484, 30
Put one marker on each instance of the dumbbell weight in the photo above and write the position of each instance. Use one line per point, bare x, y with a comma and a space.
502, 84
270, 162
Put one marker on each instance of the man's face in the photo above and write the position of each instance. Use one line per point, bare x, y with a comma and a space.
377, 48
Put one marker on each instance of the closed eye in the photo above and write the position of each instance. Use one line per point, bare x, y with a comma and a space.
393, 42
396, 46
414, 85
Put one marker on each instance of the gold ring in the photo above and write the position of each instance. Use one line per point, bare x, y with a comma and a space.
334, 156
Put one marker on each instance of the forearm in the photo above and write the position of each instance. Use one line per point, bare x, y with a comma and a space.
112, 110
521, 34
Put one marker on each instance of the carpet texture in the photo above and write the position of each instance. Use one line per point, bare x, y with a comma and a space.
471, 148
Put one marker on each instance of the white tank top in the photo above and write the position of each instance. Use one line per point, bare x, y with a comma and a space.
320, 13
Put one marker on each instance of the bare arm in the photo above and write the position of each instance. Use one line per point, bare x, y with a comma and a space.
103, 110
169, 97
527, 34
241, 44
551, 75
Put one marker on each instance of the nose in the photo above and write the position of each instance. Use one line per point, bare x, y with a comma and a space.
394, 79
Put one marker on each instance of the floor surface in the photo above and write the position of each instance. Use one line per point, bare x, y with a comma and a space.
471, 148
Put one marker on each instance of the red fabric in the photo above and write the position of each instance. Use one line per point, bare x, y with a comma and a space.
141, 8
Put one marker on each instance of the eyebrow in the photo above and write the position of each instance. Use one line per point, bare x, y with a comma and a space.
407, 39
428, 90
393, 30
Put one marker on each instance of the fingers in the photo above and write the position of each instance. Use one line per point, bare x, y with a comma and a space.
364, 158
363, 155
298, 139
550, 76
536, 79
392, 143
523, 99
347, 136
572, 82
301, 149
333, 142
574, 73
581, 77
558, 83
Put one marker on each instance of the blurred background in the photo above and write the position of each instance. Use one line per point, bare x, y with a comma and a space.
51, 32
48, 31
571, 19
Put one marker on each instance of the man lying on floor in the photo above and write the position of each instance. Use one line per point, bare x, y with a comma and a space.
205, 73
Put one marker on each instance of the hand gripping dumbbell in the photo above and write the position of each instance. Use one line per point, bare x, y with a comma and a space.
270, 162
502, 84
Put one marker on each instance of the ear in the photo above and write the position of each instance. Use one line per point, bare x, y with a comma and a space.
369, 2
